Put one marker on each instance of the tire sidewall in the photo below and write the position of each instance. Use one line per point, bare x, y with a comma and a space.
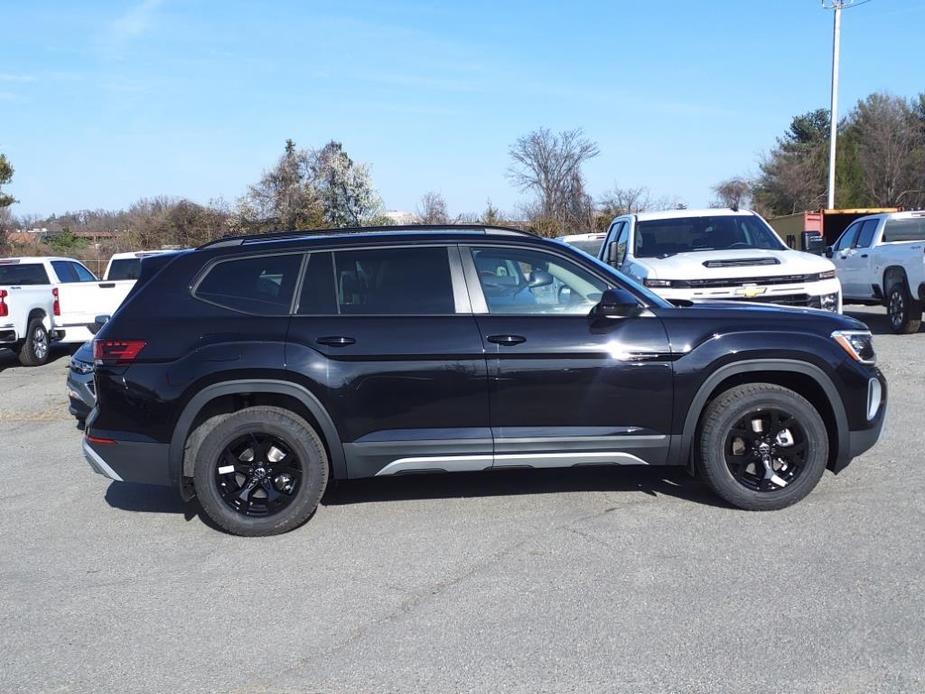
297, 436
902, 295
27, 355
713, 441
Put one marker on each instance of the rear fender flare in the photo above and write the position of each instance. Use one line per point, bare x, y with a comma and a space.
184, 424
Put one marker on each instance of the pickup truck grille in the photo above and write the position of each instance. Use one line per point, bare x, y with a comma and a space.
739, 281
783, 299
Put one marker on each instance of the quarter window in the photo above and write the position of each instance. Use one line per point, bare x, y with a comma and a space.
394, 281
518, 281
263, 285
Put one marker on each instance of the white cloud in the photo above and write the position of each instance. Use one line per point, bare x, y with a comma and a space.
135, 21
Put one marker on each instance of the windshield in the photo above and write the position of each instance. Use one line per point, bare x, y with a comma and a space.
660, 238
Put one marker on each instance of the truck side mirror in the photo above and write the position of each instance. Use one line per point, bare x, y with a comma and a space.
829, 251
613, 253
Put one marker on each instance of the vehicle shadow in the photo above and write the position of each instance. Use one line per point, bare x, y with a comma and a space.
878, 323
651, 481
9, 359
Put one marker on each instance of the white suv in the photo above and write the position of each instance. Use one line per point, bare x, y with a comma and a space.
718, 255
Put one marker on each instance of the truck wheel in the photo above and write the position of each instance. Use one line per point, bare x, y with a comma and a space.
34, 350
762, 447
260, 471
905, 313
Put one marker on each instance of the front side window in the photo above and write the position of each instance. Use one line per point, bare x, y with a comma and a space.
847, 238
661, 238
522, 281
911, 229
65, 271
868, 229
394, 281
83, 274
262, 285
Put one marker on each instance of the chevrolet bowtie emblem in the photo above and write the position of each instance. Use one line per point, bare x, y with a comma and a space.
749, 291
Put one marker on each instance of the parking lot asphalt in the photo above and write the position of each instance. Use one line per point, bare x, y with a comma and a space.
628, 579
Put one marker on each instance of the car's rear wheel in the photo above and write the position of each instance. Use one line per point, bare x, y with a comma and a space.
904, 312
35, 348
260, 471
762, 446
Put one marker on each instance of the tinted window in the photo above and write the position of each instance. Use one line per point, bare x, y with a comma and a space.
621, 244
660, 238
592, 247
23, 274
912, 229
317, 297
394, 281
847, 239
83, 274
262, 285
65, 271
868, 230
124, 269
518, 281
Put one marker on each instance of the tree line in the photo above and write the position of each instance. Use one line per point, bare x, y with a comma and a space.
881, 163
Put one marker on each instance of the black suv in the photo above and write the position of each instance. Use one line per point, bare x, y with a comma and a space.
252, 370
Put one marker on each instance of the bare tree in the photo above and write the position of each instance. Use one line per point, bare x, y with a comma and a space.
735, 193
550, 166
432, 209
619, 201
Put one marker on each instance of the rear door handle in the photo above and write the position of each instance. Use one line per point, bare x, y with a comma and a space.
507, 340
863, 255
335, 341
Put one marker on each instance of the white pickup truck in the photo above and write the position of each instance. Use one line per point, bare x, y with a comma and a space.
880, 259
718, 255
45, 299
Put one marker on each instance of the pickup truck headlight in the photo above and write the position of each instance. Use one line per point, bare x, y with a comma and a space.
649, 282
827, 275
859, 344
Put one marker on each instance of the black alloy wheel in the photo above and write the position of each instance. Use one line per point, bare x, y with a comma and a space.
258, 474
766, 450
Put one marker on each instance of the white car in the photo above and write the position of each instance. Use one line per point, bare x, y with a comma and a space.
127, 266
880, 259
718, 255
48, 299
589, 243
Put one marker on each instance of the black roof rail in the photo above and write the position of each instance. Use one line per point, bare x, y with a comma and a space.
283, 235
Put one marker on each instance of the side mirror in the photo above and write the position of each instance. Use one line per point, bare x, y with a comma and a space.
98, 323
615, 303
612, 253
829, 251
540, 278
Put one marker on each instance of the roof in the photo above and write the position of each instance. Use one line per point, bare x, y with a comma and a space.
679, 214
350, 236
36, 259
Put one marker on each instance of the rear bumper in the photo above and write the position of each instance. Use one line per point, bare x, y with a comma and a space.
8, 335
129, 461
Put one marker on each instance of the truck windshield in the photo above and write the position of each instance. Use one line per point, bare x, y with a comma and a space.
23, 274
660, 238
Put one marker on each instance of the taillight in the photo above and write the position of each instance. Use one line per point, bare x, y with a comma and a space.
116, 352
4, 309
56, 305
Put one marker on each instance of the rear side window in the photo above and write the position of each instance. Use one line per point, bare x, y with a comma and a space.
263, 285
23, 274
394, 281
904, 229
124, 269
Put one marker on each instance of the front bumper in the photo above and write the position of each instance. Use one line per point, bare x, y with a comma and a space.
808, 295
128, 461
80, 391
860, 441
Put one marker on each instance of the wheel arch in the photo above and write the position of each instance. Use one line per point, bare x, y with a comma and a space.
892, 275
40, 314
807, 379
228, 396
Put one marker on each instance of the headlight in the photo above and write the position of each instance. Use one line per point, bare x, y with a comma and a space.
81, 367
656, 283
829, 302
859, 344
827, 275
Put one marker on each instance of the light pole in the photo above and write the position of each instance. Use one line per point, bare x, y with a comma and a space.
837, 6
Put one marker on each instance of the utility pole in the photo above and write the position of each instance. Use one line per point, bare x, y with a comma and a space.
837, 6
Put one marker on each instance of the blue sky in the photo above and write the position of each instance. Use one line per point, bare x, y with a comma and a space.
103, 102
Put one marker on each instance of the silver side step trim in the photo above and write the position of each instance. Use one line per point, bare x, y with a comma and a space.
98, 464
468, 463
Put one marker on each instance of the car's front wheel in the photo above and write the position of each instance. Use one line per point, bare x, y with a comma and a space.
260, 471
762, 446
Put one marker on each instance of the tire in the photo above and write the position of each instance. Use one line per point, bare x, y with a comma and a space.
36, 347
904, 312
744, 480
225, 497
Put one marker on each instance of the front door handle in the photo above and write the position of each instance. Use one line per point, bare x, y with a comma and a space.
507, 340
335, 341
863, 255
